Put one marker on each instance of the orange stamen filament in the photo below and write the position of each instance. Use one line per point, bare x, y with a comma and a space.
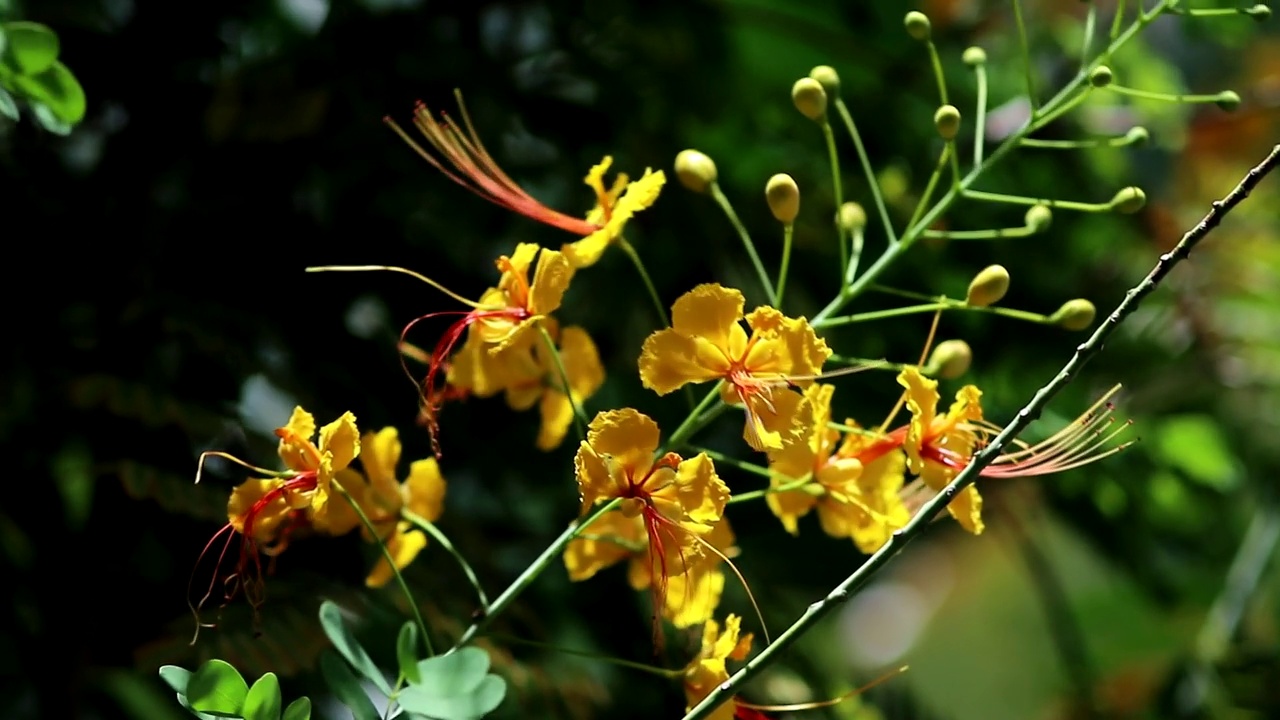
825, 703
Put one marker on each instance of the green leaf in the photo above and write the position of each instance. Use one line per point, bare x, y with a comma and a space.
346, 643
456, 673
8, 106
31, 47
217, 688
476, 703
407, 651
1195, 445
49, 120
56, 87
4, 41
346, 687
176, 677
263, 701
299, 709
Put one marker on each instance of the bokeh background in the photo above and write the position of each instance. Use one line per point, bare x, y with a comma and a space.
156, 308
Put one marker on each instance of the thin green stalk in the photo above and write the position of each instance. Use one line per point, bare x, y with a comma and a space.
930, 308
1117, 21
855, 257
787, 231
443, 541
1112, 142
990, 234
1021, 200
938, 75
873, 185
1090, 29
695, 420
984, 457
579, 415
531, 573
386, 553
1048, 115
735, 462
1167, 97
1025, 46
955, 163
932, 185
630, 250
836, 189
795, 484
723, 202
980, 121
670, 673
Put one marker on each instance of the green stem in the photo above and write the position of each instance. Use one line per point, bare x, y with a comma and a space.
955, 163
929, 308
1021, 200
855, 257
735, 462
980, 123
630, 250
938, 75
795, 484
723, 202
787, 231
1113, 142
1090, 29
695, 419
1025, 46
930, 509
532, 572
1118, 21
442, 540
865, 160
579, 415
1048, 114
991, 234
663, 672
1167, 97
932, 185
836, 189
386, 553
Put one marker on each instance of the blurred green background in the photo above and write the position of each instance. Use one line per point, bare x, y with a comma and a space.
157, 308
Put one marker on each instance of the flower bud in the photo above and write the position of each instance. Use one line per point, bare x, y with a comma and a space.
1075, 314
851, 217
827, 77
974, 56
695, 170
783, 197
988, 286
1129, 200
810, 99
1039, 217
1100, 76
1259, 12
1137, 136
949, 360
1228, 100
917, 24
947, 120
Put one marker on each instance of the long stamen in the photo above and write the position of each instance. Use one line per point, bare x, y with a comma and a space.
747, 588
234, 459
393, 268
825, 703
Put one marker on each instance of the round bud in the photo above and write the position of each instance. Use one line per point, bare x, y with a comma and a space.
695, 170
1039, 217
851, 217
974, 56
988, 286
949, 360
1259, 12
1075, 314
827, 77
783, 197
917, 24
1129, 200
810, 99
1228, 100
947, 120
1100, 76
1137, 136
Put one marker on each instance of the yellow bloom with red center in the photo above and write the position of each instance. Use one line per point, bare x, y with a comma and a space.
709, 670
938, 447
854, 489
462, 157
515, 306
384, 498
678, 501
706, 341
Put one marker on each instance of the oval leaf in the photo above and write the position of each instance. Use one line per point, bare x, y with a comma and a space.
299, 709
346, 643
454, 674
346, 687
481, 700
216, 688
31, 47
176, 677
57, 88
407, 652
8, 106
263, 701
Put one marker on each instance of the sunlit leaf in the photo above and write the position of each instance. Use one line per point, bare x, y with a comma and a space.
455, 673
346, 687
31, 47
263, 701
407, 652
217, 688
48, 119
176, 677
299, 709
8, 106
477, 702
56, 88
346, 643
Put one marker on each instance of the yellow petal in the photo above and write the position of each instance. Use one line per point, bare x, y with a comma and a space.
595, 481
550, 281
595, 176
341, 440
267, 519
521, 260
296, 449
792, 347
482, 373
581, 362
790, 506
380, 453
712, 312
702, 493
692, 598
967, 405
586, 556
669, 360
404, 545
332, 514
625, 433
588, 251
424, 489
922, 403
557, 416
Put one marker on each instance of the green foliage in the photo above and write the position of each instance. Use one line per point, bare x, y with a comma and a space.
30, 71
217, 690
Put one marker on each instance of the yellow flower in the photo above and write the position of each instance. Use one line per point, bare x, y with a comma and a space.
707, 342
515, 306
693, 596
543, 385
855, 490
678, 501
318, 465
422, 493
708, 670
939, 447
614, 207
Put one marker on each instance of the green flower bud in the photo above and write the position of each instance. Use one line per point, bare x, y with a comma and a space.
783, 197
1100, 77
1129, 200
988, 286
851, 217
1228, 100
1259, 12
1039, 217
974, 56
810, 99
827, 77
949, 360
1075, 314
1137, 136
695, 170
947, 120
918, 26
